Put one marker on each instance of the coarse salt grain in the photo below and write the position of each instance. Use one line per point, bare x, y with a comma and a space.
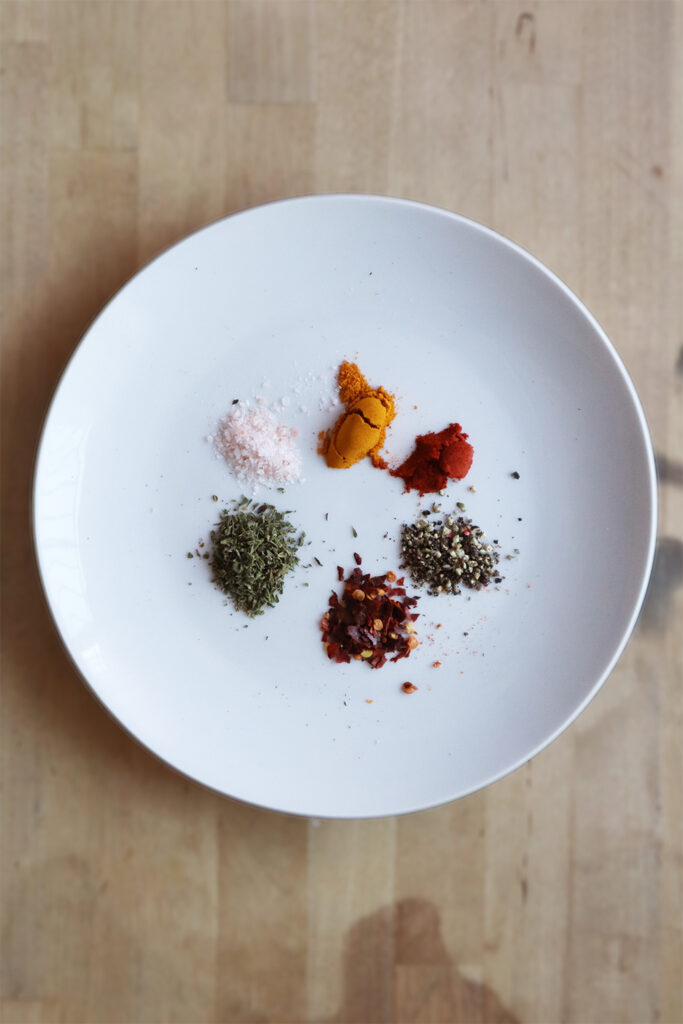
257, 448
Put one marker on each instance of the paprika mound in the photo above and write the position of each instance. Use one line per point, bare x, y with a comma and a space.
436, 458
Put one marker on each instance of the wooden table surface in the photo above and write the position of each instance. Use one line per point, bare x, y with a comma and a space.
132, 895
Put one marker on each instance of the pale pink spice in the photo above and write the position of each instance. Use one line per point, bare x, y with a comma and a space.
257, 448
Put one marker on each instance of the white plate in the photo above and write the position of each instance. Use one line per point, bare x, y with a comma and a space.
457, 322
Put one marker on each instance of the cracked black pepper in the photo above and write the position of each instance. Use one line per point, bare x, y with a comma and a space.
443, 555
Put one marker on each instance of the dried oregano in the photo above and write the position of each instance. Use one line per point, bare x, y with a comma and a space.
254, 547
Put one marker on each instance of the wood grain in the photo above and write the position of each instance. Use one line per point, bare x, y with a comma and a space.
130, 894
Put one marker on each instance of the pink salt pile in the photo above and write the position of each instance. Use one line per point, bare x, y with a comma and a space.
257, 448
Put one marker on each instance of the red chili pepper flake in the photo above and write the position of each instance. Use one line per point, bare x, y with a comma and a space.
357, 559
437, 664
409, 688
371, 621
340, 573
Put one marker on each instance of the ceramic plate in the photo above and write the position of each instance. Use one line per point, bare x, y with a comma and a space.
461, 325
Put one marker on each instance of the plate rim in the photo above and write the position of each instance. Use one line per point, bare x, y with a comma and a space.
620, 366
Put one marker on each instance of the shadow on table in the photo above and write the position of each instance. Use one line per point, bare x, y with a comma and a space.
397, 967
666, 579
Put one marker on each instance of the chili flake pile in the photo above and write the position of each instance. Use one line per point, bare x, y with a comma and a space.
371, 621
445, 554
254, 548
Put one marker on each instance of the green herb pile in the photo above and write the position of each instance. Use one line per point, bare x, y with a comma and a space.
254, 547
444, 554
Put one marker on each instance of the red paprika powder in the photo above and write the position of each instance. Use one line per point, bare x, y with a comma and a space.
435, 459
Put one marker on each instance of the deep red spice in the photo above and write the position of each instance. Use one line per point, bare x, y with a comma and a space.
371, 621
435, 459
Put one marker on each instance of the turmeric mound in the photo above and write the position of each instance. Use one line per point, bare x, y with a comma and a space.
361, 430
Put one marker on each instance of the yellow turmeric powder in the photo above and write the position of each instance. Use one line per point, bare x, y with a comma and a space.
361, 430
352, 383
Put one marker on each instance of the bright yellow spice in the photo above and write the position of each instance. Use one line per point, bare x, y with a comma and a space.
361, 430
352, 383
